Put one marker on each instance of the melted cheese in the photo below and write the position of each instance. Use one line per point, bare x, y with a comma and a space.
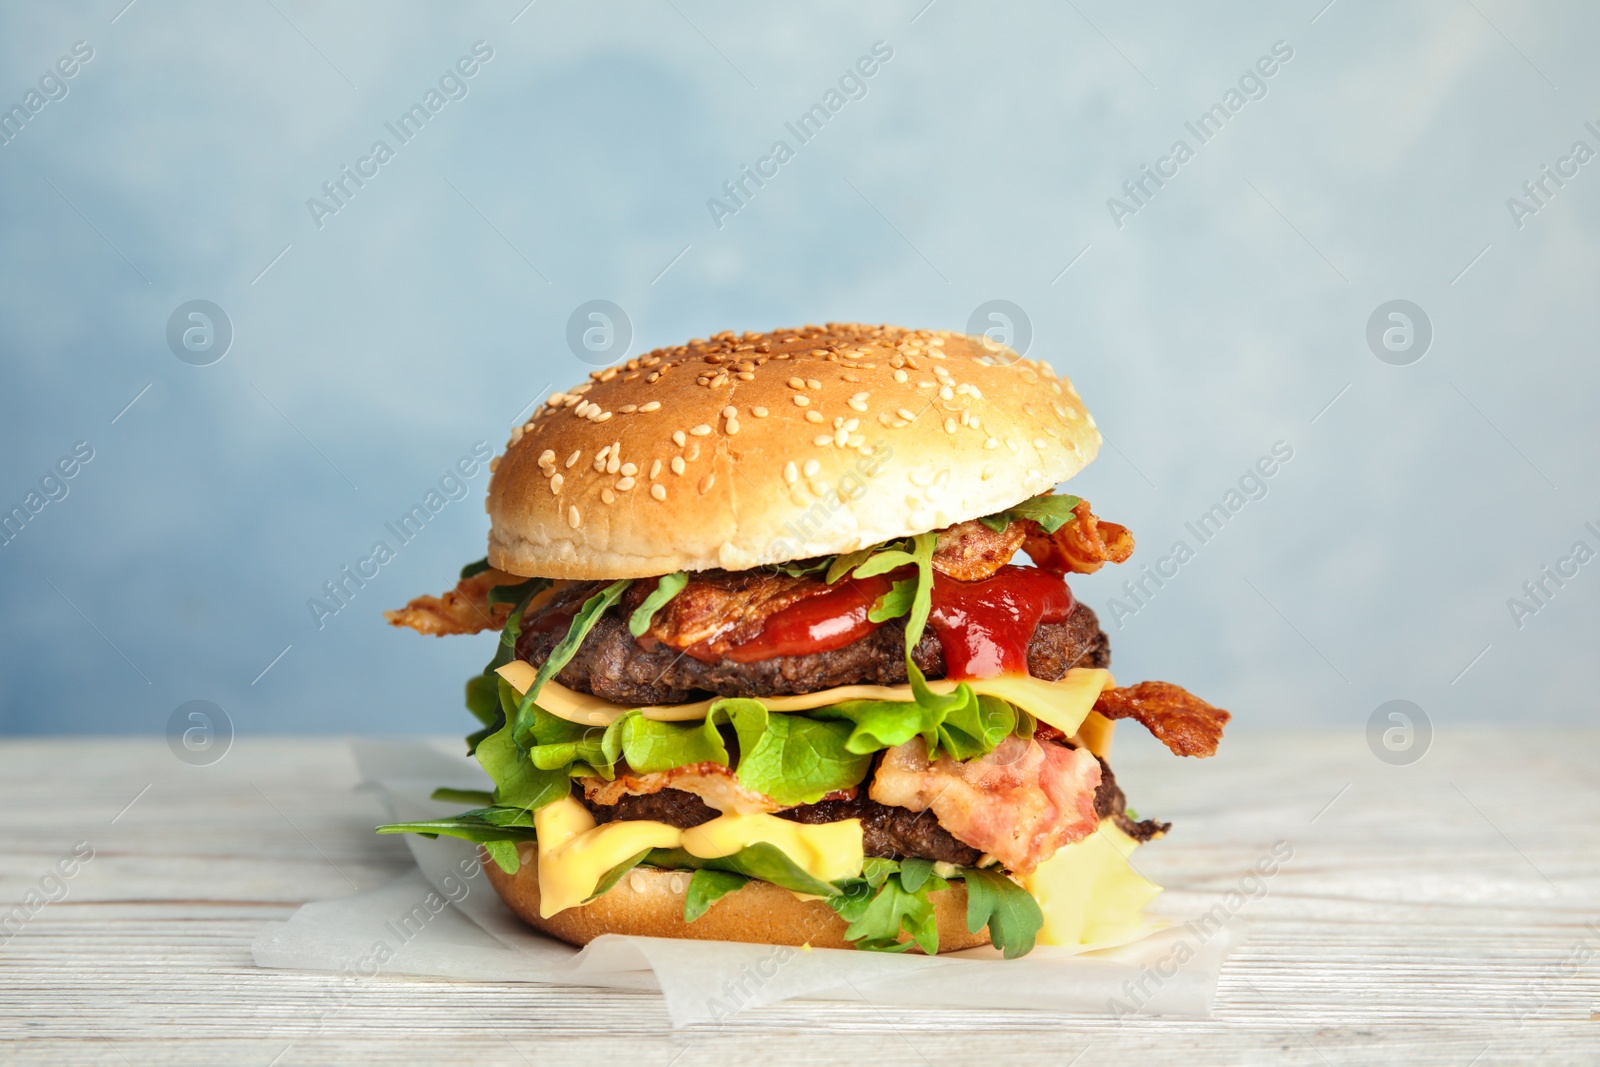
1095, 734
1089, 892
1063, 704
574, 853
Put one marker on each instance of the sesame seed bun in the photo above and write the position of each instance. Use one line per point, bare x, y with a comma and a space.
649, 903
747, 450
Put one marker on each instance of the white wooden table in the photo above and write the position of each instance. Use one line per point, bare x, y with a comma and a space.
1431, 913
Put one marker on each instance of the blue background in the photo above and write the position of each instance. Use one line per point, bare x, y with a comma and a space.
1224, 315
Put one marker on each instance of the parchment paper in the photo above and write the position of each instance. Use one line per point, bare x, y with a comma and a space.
445, 920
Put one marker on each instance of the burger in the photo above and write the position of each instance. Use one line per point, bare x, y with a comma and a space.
788, 654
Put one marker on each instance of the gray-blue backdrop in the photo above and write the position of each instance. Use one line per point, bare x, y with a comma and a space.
1204, 217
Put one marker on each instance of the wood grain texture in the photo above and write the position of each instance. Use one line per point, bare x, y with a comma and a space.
1428, 914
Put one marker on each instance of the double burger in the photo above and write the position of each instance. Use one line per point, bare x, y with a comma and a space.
788, 654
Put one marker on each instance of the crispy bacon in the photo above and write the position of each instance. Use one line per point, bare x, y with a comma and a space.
721, 609
1020, 803
710, 781
970, 551
463, 610
1178, 719
1082, 546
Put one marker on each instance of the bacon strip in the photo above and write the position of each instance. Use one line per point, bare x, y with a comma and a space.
1178, 719
1082, 546
1020, 803
463, 610
724, 608
970, 551
710, 781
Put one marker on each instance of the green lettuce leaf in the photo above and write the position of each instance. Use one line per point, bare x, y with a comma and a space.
706, 888
475, 567
651, 746
799, 760
898, 601
482, 698
669, 586
1008, 910
518, 782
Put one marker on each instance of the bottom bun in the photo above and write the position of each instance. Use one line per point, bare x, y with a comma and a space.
649, 903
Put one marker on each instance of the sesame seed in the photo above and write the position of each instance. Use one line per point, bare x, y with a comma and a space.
901, 376
677, 464
949, 425
733, 427
841, 436
547, 457
574, 457
796, 383
678, 438
658, 491
812, 383
614, 464
811, 468
573, 518
993, 442
746, 376
603, 416
730, 412
790, 474
701, 430
759, 412
555, 483
628, 409
905, 413
624, 484
516, 434
927, 385
694, 451
947, 393
653, 405
655, 469
608, 496
822, 440
630, 469
707, 482
813, 416
801, 400
1038, 442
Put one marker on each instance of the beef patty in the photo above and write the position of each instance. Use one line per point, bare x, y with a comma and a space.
886, 830
612, 665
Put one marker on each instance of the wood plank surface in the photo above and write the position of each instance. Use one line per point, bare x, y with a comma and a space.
1444, 912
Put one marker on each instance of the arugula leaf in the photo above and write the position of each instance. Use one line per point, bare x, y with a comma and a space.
514, 594
799, 760
876, 923
475, 567
896, 602
1008, 910
614, 875
481, 797
562, 654
764, 861
1051, 512
842, 565
669, 586
468, 826
706, 888
504, 854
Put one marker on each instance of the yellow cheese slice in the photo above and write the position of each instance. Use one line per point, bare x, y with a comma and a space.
574, 853
1063, 704
1089, 892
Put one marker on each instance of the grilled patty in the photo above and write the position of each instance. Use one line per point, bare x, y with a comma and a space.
612, 665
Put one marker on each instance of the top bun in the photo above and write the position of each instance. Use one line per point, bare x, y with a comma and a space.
748, 450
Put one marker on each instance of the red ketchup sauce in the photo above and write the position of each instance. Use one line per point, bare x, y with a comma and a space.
984, 627
821, 623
